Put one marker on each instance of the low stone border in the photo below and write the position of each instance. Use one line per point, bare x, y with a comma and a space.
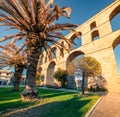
93, 108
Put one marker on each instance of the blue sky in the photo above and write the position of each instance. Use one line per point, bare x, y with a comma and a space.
82, 10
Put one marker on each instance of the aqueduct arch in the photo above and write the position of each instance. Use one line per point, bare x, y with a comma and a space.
116, 42
77, 41
98, 41
50, 73
72, 56
116, 47
114, 12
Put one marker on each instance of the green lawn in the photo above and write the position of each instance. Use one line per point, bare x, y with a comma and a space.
53, 104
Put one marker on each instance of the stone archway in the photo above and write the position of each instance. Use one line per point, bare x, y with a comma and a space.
77, 41
116, 47
72, 56
50, 73
70, 66
114, 18
114, 12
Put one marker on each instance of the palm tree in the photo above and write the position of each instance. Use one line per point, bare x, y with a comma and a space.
35, 21
10, 56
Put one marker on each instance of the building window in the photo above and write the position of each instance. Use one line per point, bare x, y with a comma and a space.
62, 50
7, 74
54, 50
93, 25
95, 35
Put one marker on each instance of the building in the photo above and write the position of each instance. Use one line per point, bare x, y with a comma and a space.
5, 76
98, 40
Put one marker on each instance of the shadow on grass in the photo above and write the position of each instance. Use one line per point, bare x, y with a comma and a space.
13, 105
10, 100
7, 93
53, 104
48, 93
74, 107
56, 94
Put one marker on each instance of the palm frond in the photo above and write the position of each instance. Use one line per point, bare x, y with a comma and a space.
12, 36
38, 17
9, 57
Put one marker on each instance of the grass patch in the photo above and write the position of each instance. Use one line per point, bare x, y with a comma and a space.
54, 103
10, 100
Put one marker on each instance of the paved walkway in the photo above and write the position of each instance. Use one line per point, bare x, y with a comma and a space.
109, 106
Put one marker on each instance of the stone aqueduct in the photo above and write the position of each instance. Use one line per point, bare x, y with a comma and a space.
98, 41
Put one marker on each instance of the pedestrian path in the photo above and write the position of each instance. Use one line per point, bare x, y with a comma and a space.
109, 106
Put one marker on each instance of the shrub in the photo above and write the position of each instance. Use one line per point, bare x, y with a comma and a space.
99, 89
61, 76
87, 89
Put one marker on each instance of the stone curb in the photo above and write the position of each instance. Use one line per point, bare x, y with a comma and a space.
93, 108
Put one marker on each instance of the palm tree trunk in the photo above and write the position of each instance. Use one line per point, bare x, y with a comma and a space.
30, 91
34, 50
17, 77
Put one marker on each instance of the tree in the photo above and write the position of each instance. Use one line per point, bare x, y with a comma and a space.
61, 76
35, 21
9, 57
88, 67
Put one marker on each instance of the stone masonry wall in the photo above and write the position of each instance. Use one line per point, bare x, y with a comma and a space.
102, 49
